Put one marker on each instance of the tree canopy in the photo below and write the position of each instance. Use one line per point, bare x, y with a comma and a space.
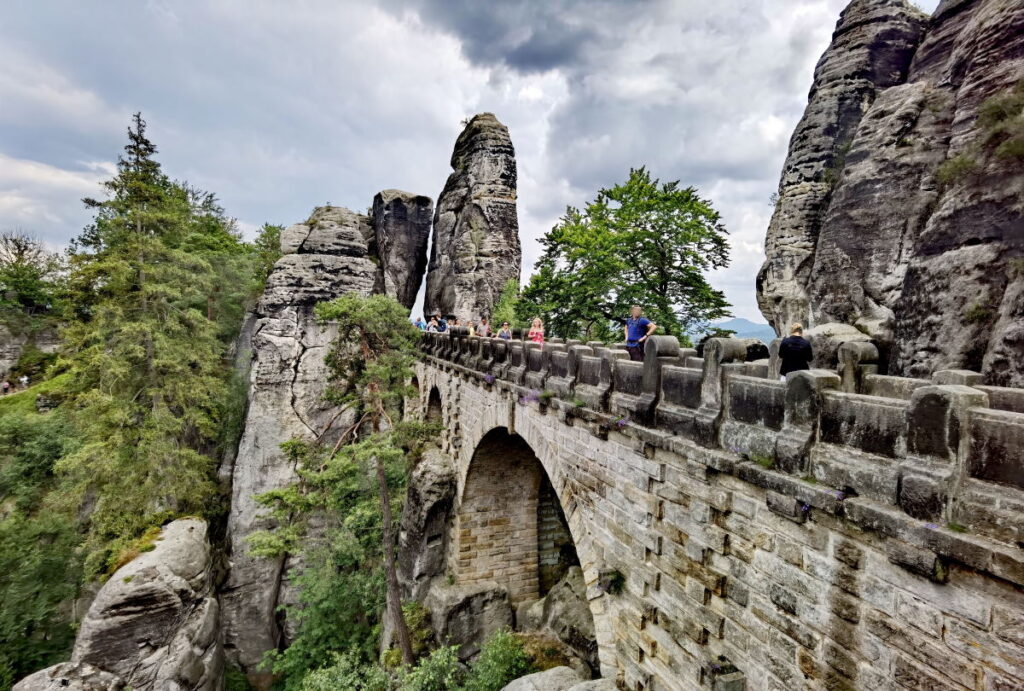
640, 242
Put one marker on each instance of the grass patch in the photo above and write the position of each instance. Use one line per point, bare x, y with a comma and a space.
956, 527
145, 543
954, 169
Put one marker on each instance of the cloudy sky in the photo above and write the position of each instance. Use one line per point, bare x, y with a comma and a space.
281, 106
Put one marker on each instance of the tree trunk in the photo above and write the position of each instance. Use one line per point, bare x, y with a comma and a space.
394, 594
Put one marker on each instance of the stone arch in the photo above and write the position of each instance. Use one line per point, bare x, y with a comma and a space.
434, 406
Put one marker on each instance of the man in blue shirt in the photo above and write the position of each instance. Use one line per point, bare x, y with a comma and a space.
638, 328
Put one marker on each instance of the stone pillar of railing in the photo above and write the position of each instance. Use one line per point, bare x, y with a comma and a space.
499, 363
719, 354
774, 361
516, 369
857, 359
938, 446
803, 410
658, 352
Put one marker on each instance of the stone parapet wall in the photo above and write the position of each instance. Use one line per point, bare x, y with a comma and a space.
807, 534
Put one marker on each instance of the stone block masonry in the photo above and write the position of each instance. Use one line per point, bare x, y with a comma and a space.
808, 537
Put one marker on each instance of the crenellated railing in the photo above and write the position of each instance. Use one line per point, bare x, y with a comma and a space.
947, 451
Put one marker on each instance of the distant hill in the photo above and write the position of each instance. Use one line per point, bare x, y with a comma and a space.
744, 328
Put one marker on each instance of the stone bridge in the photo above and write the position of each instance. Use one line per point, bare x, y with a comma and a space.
840, 530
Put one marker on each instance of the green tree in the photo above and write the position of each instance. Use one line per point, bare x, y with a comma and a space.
640, 242
353, 482
506, 306
145, 373
31, 279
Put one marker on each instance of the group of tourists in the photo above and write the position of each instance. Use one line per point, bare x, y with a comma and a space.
7, 387
637, 329
794, 352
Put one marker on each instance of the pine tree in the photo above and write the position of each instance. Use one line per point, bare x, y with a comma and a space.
144, 359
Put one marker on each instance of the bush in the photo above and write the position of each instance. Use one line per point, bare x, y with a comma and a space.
347, 673
440, 671
38, 574
955, 168
502, 659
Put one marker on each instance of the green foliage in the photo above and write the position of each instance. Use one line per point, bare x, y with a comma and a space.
439, 671
954, 169
149, 297
30, 446
640, 242
40, 571
1001, 116
502, 659
834, 169
347, 672
266, 252
979, 313
342, 587
31, 282
506, 306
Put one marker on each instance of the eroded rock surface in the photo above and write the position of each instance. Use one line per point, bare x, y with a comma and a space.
70, 676
476, 229
467, 615
153, 626
336, 251
401, 223
554, 679
896, 213
564, 613
423, 538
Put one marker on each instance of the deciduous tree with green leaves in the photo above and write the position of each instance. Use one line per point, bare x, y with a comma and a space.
640, 242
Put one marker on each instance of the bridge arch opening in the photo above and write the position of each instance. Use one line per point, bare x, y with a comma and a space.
512, 529
434, 405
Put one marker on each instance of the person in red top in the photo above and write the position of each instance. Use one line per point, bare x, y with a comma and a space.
536, 333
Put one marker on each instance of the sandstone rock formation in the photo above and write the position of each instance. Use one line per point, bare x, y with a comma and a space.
13, 344
423, 536
564, 613
467, 615
70, 676
476, 230
554, 679
335, 252
896, 212
154, 625
401, 223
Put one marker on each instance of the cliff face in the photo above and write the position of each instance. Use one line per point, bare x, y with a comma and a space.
476, 229
335, 252
898, 210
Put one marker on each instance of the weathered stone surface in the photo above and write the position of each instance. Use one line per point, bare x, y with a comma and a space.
795, 565
554, 679
70, 676
875, 227
871, 49
476, 229
565, 614
13, 344
326, 256
423, 538
596, 685
467, 615
401, 224
155, 623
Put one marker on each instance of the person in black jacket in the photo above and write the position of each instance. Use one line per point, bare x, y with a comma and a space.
795, 352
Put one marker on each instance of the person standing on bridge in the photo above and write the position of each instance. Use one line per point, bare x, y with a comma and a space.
536, 333
505, 332
795, 352
637, 330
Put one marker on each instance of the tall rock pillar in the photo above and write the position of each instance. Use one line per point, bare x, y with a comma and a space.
336, 251
871, 49
476, 230
401, 224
